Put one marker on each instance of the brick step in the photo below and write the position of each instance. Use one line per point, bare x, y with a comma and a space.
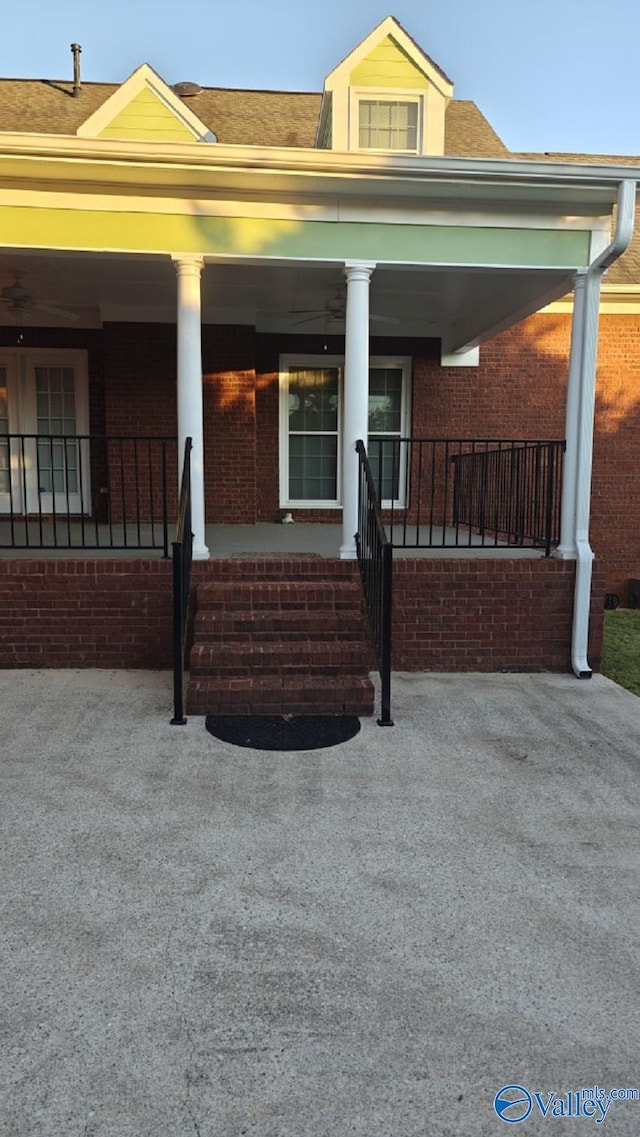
272, 695
278, 568
289, 624
309, 657
323, 596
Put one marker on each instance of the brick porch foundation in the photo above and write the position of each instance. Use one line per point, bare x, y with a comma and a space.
449, 615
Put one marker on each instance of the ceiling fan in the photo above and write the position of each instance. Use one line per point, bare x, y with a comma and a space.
22, 303
335, 310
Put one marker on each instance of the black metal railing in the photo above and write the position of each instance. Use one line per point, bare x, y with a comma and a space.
64, 491
375, 558
512, 492
182, 555
445, 492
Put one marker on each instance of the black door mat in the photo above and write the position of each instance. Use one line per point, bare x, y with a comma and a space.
283, 732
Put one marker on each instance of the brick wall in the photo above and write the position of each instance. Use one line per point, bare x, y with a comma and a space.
488, 615
228, 359
94, 613
453, 615
141, 398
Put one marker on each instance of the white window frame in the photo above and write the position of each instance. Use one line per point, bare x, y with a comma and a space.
20, 364
385, 95
300, 359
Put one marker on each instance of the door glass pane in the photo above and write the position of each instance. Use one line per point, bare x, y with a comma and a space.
4, 430
56, 418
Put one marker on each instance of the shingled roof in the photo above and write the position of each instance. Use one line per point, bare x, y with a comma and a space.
237, 117
274, 118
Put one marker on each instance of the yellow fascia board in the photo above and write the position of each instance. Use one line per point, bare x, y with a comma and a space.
144, 78
389, 27
615, 300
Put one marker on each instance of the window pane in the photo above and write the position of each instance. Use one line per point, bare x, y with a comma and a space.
385, 400
313, 399
385, 460
313, 467
388, 125
55, 400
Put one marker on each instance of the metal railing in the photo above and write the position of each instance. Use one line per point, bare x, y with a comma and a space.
445, 492
375, 558
182, 556
511, 492
71, 491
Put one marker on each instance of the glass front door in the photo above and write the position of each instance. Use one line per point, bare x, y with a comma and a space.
44, 468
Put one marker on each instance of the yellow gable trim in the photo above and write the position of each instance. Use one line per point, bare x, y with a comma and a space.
146, 117
388, 66
389, 30
131, 110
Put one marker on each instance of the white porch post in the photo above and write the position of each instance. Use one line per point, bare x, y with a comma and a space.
190, 414
356, 395
567, 548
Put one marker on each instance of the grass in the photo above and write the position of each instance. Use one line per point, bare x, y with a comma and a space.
621, 650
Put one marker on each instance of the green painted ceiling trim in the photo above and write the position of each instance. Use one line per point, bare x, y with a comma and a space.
312, 240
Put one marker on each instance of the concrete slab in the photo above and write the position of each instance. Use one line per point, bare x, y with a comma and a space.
368, 940
265, 537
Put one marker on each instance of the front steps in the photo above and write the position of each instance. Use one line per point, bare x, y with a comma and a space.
280, 636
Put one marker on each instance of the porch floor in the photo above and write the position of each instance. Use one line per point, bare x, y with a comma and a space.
237, 540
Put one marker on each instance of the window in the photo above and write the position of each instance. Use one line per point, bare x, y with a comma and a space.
310, 429
388, 124
313, 421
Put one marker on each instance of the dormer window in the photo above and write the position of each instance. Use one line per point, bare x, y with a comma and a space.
385, 97
389, 125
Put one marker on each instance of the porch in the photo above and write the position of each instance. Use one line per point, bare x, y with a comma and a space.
268, 539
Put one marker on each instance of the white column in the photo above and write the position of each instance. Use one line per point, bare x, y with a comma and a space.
355, 423
567, 548
190, 414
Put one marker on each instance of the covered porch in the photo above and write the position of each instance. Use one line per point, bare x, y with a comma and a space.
209, 319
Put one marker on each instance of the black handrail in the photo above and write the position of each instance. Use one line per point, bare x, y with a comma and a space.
85, 491
182, 556
453, 492
375, 558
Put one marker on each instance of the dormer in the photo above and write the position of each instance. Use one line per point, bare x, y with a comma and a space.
144, 108
386, 97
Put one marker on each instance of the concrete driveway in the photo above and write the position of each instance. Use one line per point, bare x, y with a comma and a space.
369, 940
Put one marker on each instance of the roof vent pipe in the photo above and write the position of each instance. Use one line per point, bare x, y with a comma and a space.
77, 85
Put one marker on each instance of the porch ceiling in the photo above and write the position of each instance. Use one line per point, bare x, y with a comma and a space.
461, 305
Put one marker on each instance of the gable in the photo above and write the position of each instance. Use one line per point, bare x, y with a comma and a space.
388, 66
147, 117
145, 108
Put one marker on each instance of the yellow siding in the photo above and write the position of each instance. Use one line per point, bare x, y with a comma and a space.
388, 66
146, 117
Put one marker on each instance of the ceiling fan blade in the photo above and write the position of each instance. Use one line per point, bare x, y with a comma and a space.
309, 319
384, 319
53, 310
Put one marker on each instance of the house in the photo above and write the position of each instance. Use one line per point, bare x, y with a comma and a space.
276, 276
